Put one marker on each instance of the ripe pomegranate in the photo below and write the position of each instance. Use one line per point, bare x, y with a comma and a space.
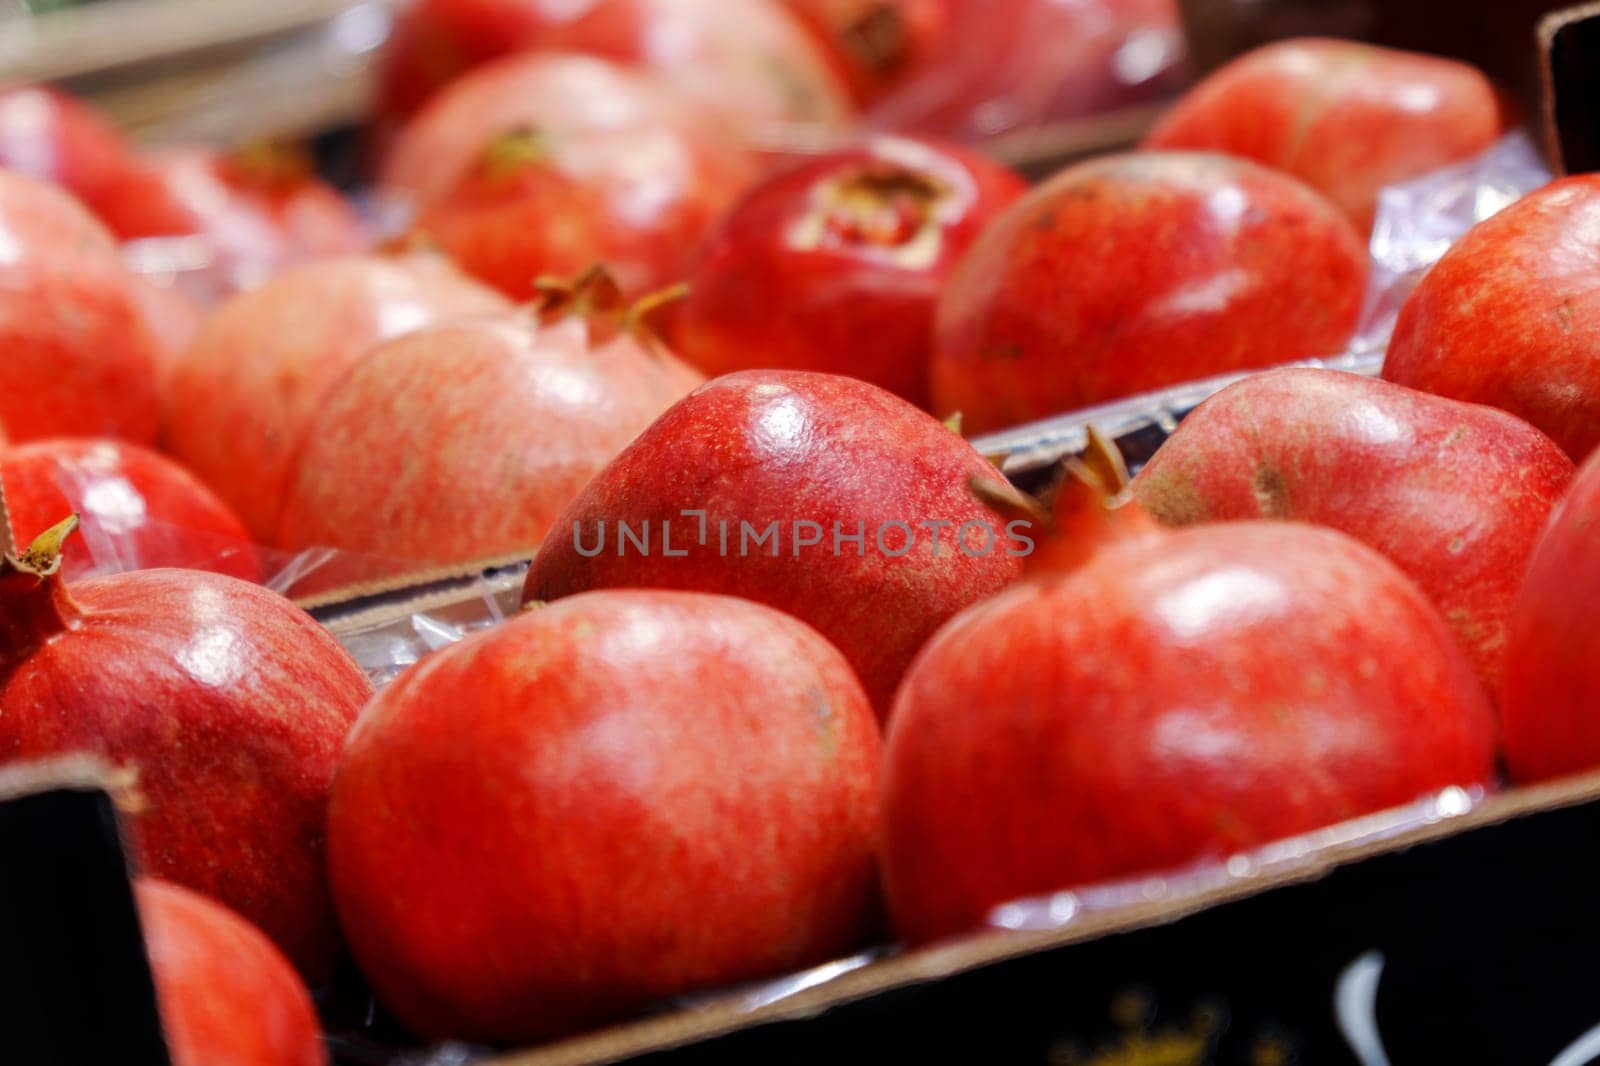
874, 44
1131, 272
837, 265
519, 412
749, 62
81, 356
228, 997
970, 69
1511, 314
46, 134
140, 510
1347, 118
1147, 699
820, 495
228, 702
546, 164
259, 209
239, 399
1553, 656
1454, 494
526, 829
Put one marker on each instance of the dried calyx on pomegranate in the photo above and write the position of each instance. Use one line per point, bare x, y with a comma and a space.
880, 204
595, 297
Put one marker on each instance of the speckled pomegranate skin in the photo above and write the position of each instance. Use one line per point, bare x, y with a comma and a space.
1455, 494
1347, 118
799, 277
1180, 698
239, 399
152, 512
80, 356
228, 997
760, 447
517, 417
228, 702
605, 802
1132, 272
1553, 659
1510, 315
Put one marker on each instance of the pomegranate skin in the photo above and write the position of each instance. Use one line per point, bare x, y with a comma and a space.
1347, 118
526, 828
750, 63
1553, 657
82, 358
1180, 698
1132, 272
258, 213
1510, 315
837, 265
143, 508
518, 417
230, 705
48, 135
227, 996
239, 399
1454, 494
765, 447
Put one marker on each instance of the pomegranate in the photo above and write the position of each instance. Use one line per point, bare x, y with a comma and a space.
46, 134
1131, 272
1147, 699
258, 209
837, 265
1345, 117
749, 62
874, 44
1511, 314
943, 73
80, 355
239, 399
228, 997
173, 319
526, 828
546, 164
230, 705
1552, 665
1454, 494
519, 412
140, 510
820, 495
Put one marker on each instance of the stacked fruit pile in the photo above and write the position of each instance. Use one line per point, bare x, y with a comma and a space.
794, 653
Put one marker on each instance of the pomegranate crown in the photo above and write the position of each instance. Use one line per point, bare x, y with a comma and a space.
596, 297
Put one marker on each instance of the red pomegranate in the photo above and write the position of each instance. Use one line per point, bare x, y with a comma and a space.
49, 135
972, 69
820, 495
228, 997
80, 355
1454, 494
1347, 118
519, 412
874, 44
837, 265
239, 399
749, 62
526, 828
1553, 656
139, 509
227, 702
1510, 316
1147, 699
547, 164
1131, 272
258, 209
